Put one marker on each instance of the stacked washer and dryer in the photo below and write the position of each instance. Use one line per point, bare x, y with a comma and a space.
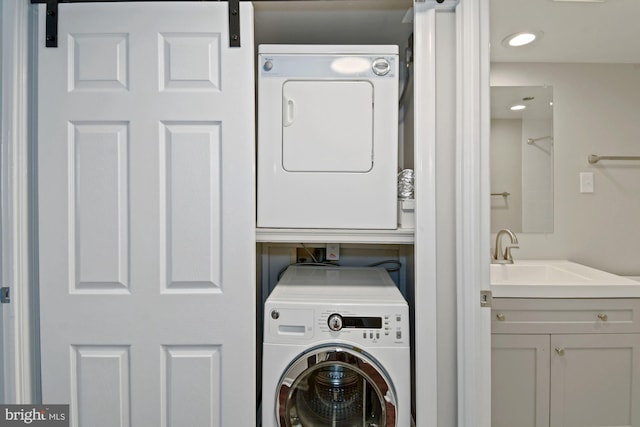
336, 339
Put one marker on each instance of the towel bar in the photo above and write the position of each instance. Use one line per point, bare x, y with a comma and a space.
595, 159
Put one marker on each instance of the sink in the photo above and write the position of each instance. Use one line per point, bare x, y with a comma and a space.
535, 273
558, 279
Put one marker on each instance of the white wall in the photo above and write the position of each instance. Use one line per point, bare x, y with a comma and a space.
596, 111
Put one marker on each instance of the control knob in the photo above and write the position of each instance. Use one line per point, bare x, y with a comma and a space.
335, 322
381, 67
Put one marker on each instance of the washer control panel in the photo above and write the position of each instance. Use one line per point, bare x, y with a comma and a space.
336, 322
354, 324
386, 329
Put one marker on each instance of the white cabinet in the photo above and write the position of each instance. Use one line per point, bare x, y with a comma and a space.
520, 380
565, 363
595, 380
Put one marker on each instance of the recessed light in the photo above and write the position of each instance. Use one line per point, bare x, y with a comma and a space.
517, 107
521, 39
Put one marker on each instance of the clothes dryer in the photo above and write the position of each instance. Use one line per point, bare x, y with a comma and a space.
336, 350
327, 136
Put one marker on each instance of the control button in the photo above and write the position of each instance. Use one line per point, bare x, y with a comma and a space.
364, 335
335, 322
398, 318
378, 335
398, 335
268, 66
371, 335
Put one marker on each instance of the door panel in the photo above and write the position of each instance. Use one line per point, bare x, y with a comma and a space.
100, 382
190, 153
146, 214
99, 198
192, 386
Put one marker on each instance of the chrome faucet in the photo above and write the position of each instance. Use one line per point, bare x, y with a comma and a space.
498, 256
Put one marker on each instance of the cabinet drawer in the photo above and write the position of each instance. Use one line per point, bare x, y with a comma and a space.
530, 315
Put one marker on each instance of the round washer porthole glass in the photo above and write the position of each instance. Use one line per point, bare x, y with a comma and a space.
335, 395
337, 389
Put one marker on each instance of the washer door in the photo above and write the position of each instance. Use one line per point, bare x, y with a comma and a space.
335, 386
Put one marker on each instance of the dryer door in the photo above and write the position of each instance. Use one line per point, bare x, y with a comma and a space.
327, 126
335, 386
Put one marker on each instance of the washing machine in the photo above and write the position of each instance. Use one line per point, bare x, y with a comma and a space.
336, 350
327, 136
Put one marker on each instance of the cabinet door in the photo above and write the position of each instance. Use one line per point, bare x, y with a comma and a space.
595, 380
520, 381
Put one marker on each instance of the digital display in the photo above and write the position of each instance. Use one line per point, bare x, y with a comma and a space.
362, 322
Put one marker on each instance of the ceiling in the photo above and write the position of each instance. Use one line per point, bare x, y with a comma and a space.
574, 31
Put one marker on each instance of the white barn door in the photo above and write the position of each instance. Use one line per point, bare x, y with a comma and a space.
146, 215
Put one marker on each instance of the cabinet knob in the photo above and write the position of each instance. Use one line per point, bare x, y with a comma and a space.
603, 317
500, 317
560, 351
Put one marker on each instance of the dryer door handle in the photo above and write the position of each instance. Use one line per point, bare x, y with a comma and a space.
288, 107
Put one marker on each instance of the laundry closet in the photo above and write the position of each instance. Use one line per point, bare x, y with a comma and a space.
298, 220
149, 212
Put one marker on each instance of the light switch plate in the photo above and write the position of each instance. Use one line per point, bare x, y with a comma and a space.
586, 182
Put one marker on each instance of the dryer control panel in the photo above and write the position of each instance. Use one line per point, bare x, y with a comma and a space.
328, 66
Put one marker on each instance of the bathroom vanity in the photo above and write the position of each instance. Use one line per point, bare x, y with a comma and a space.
565, 346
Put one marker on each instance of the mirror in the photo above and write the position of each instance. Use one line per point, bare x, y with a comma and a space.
588, 52
522, 158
